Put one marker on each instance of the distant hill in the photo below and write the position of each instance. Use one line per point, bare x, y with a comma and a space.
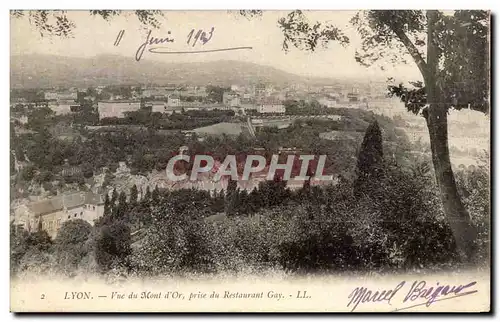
30, 71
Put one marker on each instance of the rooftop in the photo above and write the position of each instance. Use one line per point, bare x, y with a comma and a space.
119, 101
65, 201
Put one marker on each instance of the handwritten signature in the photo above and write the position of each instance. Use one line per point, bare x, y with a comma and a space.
418, 290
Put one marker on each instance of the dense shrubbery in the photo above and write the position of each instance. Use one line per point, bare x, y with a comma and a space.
474, 187
395, 223
176, 121
398, 226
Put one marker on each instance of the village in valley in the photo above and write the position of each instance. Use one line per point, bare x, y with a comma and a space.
73, 193
172, 158
191, 114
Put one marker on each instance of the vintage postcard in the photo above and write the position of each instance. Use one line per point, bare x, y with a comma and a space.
250, 161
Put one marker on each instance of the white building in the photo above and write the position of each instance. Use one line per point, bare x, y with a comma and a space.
156, 92
270, 107
63, 107
328, 102
118, 109
158, 107
231, 99
335, 117
50, 214
174, 101
61, 95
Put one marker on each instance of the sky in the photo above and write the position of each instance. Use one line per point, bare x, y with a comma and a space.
94, 36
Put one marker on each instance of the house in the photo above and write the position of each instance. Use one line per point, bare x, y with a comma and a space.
248, 105
268, 106
174, 101
231, 99
328, 102
50, 214
118, 109
70, 170
61, 95
37, 104
335, 117
158, 106
263, 90
22, 119
63, 107
157, 93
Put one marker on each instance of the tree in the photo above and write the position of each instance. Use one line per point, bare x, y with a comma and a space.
147, 196
231, 200
455, 75
18, 245
134, 194
114, 198
155, 196
107, 205
174, 242
112, 245
370, 160
28, 173
215, 93
19, 152
12, 163
70, 243
122, 206
87, 170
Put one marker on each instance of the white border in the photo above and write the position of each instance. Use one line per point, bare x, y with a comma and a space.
211, 5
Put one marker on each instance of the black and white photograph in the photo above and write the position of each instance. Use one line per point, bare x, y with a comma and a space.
250, 160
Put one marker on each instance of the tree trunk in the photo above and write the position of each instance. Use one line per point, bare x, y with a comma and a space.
457, 217
436, 117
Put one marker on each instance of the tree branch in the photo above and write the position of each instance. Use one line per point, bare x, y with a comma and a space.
412, 49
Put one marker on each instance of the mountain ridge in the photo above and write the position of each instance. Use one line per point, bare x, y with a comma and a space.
43, 71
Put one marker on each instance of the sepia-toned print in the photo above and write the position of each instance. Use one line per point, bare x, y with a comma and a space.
250, 161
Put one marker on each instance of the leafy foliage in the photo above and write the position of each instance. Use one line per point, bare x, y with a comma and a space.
56, 22
70, 244
370, 161
302, 34
112, 245
462, 51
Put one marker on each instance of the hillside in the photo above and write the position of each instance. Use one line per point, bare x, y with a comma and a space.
29, 71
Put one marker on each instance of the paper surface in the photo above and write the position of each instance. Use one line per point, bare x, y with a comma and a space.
250, 161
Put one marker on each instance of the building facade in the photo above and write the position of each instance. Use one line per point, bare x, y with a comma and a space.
63, 95
50, 214
118, 109
158, 107
174, 101
270, 107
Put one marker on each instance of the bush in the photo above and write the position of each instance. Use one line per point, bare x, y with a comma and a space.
32, 252
112, 245
399, 224
70, 245
474, 187
175, 242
